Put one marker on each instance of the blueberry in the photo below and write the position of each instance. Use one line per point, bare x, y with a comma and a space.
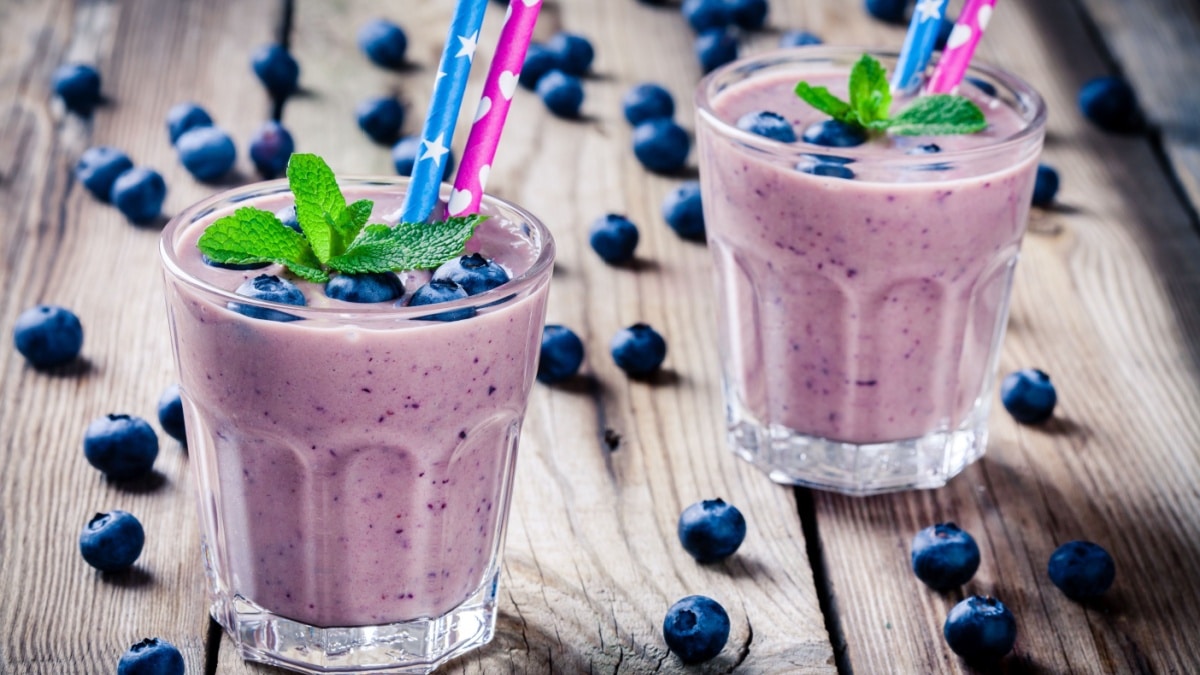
438, 291
206, 152
170, 414
1028, 395
799, 38
561, 354
475, 273
405, 153
646, 102
613, 238
924, 149
835, 134
696, 628
661, 145
269, 288
538, 61
1109, 102
983, 86
638, 350
748, 14
112, 541
277, 70
703, 15
1046, 185
945, 27
370, 287
562, 93
980, 629
891, 11
1082, 570
270, 148
944, 556
574, 53
48, 335
120, 446
99, 167
151, 656
684, 211
380, 118
183, 117
139, 193
715, 47
78, 85
383, 42
287, 216
768, 124
827, 169
711, 530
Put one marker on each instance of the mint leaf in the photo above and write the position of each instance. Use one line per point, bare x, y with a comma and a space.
407, 246
939, 115
251, 235
319, 202
870, 93
821, 99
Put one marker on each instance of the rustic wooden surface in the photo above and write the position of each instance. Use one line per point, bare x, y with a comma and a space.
1106, 300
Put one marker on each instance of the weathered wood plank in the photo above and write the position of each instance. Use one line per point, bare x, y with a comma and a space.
61, 246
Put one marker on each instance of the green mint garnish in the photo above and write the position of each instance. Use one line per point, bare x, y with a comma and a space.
871, 101
336, 235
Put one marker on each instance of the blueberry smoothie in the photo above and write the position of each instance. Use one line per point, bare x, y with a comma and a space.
863, 290
355, 465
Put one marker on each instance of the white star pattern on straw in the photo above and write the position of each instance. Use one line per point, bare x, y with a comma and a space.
930, 10
434, 149
468, 46
440, 75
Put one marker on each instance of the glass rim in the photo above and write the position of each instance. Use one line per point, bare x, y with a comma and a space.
512, 290
1025, 96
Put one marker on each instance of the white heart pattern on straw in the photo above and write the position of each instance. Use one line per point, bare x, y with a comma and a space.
531, 3
959, 36
485, 104
484, 172
459, 201
983, 17
508, 84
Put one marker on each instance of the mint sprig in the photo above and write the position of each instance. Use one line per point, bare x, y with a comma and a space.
336, 237
871, 101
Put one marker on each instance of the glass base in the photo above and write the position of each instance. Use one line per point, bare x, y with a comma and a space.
794, 458
417, 646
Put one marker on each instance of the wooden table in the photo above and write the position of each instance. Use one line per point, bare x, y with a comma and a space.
1107, 300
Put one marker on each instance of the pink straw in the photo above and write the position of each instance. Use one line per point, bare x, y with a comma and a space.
498, 91
960, 47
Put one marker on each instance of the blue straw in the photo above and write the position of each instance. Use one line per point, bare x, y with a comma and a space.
918, 45
453, 71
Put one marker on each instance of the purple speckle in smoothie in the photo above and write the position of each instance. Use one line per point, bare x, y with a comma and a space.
491, 390
366, 390
866, 383
462, 434
851, 273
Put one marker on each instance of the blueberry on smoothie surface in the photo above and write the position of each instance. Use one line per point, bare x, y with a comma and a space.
438, 291
539, 60
711, 530
683, 210
835, 134
405, 153
183, 117
370, 287
715, 47
924, 149
561, 354
138, 194
638, 350
474, 273
944, 556
613, 237
981, 630
1028, 395
237, 267
112, 541
206, 152
98, 168
1082, 570
799, 38
48, 336
696, 628
561, 93
891, 11
276, 69
702, 15
287, 216
749, 14
383, 42
574, 53
170, 414
78, 85
151, 656
121, 446
767, 124
647, 101
661, 145
984, 86
1110, 103
380, 118
270, 148
827, 169
269, 288
1045, 187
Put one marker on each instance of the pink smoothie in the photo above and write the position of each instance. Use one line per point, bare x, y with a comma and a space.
355, 466
860, 310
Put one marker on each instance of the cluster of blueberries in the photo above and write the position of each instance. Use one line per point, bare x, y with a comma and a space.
554, 70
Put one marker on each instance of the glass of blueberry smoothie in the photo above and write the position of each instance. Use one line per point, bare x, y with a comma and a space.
863, 275
354, 441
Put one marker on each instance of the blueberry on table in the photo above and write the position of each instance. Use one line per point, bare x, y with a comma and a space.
711, 530
287, 216
892, 11
78, 85
277, 70
1109, 102
48, 335
270, 148
945, 27
206, 152
574, 53
383, 42
835, 134
369, 287
1045, 187
696, 628
561, 354
944, 556
151, 656
980, 629
703, 15
749, 14
269, 288
406, 151
715, 47
122, 447
646, 102
613, 237
112, 541
183, 117
638, 350
539, 60
139, 193
98, 168
768, 124
170, 414
474, 273
661, 145
561, 93
799, 38
438, 291
1082, 570
380, 118
684, 211
1028, 395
